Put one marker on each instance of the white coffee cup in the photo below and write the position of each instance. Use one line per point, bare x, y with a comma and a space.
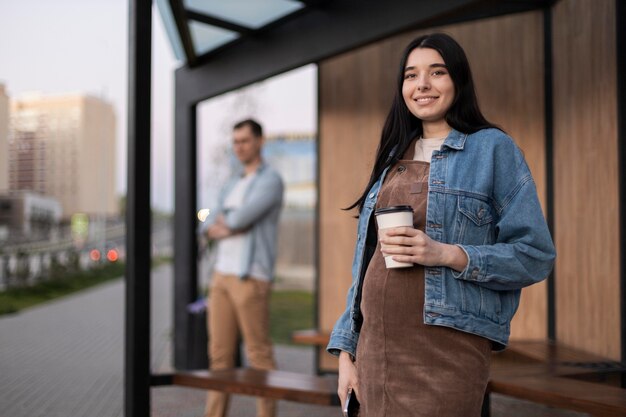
394, 216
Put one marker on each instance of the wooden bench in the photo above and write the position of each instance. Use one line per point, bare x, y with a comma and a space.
310, 337
559, 377
570, 394
280, 385
543, 373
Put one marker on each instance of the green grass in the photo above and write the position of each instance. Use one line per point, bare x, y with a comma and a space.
16, 299
289, 311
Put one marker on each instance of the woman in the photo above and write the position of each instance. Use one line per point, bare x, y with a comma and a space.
417, 341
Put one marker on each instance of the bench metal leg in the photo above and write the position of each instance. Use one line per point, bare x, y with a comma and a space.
486, 409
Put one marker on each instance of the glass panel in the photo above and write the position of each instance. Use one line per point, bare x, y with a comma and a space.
249, 13
286, 106
170, 28
206, 37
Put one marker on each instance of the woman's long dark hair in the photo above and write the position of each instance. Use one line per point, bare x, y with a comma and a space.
401, 127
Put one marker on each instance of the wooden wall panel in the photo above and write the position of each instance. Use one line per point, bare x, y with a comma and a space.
586, 176
356, 88
353, 100
506, 57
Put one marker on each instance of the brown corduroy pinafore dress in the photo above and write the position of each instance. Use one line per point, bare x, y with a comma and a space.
407, 368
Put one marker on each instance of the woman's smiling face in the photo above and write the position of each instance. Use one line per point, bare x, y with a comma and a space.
428, 90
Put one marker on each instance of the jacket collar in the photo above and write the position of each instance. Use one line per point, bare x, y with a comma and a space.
240, 172
455, 140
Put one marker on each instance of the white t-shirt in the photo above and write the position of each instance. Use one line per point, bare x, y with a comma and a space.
230, 249
424, 148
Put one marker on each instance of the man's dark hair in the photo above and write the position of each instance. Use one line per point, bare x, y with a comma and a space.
255, 127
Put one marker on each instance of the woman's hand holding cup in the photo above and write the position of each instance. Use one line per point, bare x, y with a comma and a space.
387, 219
408, 245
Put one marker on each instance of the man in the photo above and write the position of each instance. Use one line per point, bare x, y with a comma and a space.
245, 227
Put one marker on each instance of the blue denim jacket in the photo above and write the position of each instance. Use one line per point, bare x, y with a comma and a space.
482, 198
258, 217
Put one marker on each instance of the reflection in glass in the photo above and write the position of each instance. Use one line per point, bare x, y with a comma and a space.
207, 37
170, 28
251, 13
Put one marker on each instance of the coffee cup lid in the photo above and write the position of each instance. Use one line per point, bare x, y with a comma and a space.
393, 209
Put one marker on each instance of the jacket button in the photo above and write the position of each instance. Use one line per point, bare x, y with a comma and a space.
401, 168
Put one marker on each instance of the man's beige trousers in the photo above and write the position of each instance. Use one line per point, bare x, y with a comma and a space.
236, 307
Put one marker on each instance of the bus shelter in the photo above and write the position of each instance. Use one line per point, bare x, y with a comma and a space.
551, 72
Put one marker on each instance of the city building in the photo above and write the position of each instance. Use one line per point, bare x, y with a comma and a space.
4, 141
64, 147
27, 215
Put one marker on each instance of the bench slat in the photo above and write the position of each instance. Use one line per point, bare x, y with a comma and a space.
310, 337
543, 373
596, 399
552, 352
280, 385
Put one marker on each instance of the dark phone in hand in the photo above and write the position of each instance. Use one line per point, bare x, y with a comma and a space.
351, 407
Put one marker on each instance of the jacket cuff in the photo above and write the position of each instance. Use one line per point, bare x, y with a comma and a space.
475, 270
342, 341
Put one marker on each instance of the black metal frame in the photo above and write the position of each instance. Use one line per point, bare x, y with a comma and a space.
316, 318
179, 13
138, 218
549, 148
620, 34
210, 20
347, 25
185, 240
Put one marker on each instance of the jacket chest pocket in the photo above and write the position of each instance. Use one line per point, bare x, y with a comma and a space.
474, 222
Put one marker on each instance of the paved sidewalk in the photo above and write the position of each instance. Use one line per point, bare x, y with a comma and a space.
65, 359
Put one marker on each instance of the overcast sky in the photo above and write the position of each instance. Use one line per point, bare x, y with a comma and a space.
64, 46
